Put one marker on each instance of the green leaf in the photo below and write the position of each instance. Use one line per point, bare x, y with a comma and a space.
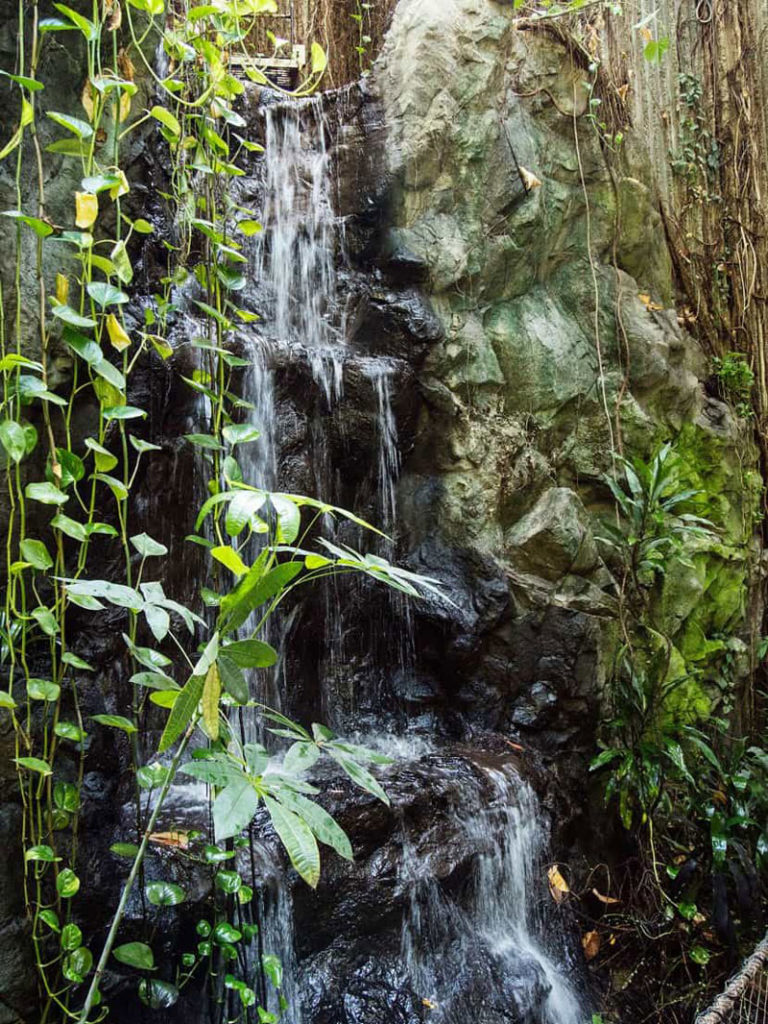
225, 932
301, 757
164, 894
43, 689
7, 701
135, 954
157, 994
81, 129
71, 937
146, 656
360, 776
250, 654
167, 119
45, 493
109, 373
124, 412
36, 553
240, 433
40, 227
230, 558
13, 439
233, 679
28, 83
204, 441
70, 527
234, 808
273, 969
104, 294
122, 262
84, 347
253, 590
182, 712
320, 821
229, 882
115, 593
71, 316
67, 884
34, 764
77, 964
46, 620
89, 30
147, 547
115, 722
69, 731
249, 227
298, 840
41, 853
215, 771
127, 850
700, 955
51, 918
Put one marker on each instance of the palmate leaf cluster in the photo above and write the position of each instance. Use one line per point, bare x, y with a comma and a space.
243, 776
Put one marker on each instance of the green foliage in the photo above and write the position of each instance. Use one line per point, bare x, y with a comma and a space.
736, 379
83, 312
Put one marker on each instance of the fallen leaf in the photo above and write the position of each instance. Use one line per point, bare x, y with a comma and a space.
590, 943
515, 746
558, 886
86, 209
429, 1004
530, 181
604, 899
622, 91
177, 839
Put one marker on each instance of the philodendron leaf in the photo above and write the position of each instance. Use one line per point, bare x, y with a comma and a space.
298, 840
135, 954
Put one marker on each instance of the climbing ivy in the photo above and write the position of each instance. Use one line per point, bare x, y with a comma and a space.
64, 490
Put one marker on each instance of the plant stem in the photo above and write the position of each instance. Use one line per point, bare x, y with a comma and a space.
136, 866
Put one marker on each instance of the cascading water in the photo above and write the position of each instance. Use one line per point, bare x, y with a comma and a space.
498, 929
484, 947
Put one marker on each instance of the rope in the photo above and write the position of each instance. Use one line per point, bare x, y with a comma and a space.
742, 988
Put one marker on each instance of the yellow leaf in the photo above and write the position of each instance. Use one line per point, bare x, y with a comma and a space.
86, 209
319, 59
123, 188
558, 886
87, 99
125, 106
591, 944
210, 702
604, 899
429, 1004
117, 335
62, 289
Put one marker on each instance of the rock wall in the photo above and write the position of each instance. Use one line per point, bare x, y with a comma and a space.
560, 344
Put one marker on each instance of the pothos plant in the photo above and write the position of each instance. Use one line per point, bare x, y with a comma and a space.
87, 484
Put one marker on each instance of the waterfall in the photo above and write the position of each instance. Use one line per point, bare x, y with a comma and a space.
487, 950
499, 927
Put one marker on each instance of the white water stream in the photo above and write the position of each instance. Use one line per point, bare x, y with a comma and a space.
494, 925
